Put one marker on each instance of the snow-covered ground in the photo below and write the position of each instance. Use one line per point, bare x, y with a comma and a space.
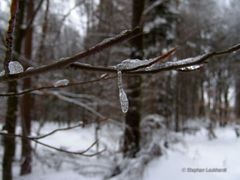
200, 155
194, 153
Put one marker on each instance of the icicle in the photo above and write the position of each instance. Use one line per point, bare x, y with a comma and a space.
122, 95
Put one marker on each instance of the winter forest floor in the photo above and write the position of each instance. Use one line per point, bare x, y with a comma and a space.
192, 151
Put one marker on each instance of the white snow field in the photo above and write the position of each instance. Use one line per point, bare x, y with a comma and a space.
196, 159
190, 159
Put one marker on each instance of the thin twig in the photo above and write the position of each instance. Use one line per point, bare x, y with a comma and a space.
53, 87
82, 153
71, 100
29, 25
54, 131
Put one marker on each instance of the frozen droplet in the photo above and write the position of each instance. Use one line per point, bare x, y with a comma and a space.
122, 95
15, 67
62, 82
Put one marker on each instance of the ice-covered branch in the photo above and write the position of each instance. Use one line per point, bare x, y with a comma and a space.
64, 62
165, 66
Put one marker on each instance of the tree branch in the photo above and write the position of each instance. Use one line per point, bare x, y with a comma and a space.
63, 62
105, 77
82, 153
73, 101
166, 66
54, 131
29, 24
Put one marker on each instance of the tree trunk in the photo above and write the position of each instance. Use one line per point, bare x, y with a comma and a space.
133, 117
12, 103
237, 105
177, 104
26, 101
10, 124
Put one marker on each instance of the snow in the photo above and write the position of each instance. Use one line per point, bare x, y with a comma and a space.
15, 67
61, 175
199, 153
158, 21
63, 82
195, 153
49, 164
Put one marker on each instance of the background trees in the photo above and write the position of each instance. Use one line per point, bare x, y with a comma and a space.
48, 30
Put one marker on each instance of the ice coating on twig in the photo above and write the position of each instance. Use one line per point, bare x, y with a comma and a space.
131, 63
122, 95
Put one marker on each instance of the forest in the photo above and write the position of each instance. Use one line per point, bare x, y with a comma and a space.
119, 89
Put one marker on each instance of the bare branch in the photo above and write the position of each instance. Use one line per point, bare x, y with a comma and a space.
53, 87
33, 17
70, 100
56, 130
82, 153
66, 16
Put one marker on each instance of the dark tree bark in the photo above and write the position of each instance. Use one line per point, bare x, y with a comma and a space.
42, 49
133, 116
177, 104
237, 105
12, 103
26, 101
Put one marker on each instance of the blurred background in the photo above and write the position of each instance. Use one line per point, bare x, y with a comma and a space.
61, 28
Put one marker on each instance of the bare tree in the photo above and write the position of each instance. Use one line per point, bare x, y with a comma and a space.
12, 102
133, 116
26, 100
